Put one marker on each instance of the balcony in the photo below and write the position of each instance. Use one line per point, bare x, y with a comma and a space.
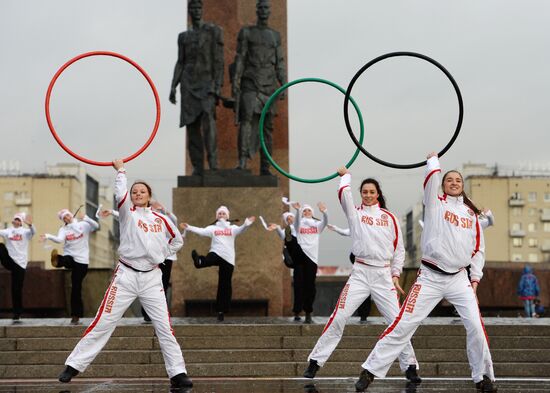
545, 248
545, 216
516, 202
22, 201
517, 233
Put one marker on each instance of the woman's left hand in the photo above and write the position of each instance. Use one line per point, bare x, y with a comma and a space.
397, 286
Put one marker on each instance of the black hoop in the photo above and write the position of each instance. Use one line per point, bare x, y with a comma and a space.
396, 54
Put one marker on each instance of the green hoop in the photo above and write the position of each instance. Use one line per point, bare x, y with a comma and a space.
268, 105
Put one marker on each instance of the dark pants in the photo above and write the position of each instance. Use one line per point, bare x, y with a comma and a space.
17, 278
305, 273
166, 269
364, 309
78, 272
225, 274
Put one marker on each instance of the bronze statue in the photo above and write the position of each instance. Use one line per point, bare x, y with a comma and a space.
199, 72
259, 71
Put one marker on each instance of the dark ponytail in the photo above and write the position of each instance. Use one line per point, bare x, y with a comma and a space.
381, 199
467, 201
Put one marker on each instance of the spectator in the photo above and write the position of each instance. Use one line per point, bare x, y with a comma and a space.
528, 290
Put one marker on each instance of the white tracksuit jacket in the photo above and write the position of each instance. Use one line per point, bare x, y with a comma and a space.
452, 237
17, 243
307, 233
76, 238
223, 236
379, 253
147, 238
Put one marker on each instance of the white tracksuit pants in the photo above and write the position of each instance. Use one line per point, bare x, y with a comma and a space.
364, 280
429, 289
126, 286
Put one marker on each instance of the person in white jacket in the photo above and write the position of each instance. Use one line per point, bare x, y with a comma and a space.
451, 240
75, 236
377, 245
308, 230
14, 257
146, 239
287, 233
221, 254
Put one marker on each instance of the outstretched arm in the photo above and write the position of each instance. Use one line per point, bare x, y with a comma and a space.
248, 222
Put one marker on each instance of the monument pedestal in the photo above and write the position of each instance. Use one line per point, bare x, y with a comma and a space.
260, 278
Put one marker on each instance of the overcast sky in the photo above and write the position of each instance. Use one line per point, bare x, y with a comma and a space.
497, 50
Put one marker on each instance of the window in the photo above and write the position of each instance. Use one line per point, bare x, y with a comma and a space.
517, 211
547, 197
547, 227
92, 196
532, 211
8, 196
533, 257
532, 227
516, 195
517, 258
532, 197
517, 242
516, 226
533, 242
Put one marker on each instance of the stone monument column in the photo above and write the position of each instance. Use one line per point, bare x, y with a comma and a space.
260, 275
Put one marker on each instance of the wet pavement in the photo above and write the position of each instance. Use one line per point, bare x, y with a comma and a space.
258, 385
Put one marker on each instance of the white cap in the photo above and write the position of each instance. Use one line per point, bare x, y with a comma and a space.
305, 207
286, 215
20, 216
63, 212
222, 209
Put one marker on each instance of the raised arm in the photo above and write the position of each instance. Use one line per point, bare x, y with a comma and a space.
92, 224
121, 189
344, 192
247, 222
432, 181
324, 216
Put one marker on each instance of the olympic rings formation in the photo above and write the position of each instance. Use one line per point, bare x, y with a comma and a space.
268, 105
396, 54
101, 53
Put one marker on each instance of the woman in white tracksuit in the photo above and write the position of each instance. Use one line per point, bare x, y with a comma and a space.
452, 239
308, 230
75, 236
146, 239
14, 257
379, 255
221, 254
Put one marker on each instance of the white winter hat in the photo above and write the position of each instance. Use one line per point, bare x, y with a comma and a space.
63, 212
222, 209
286, 215
20, 216
305, 207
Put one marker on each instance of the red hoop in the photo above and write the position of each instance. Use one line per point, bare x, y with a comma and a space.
49, 120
